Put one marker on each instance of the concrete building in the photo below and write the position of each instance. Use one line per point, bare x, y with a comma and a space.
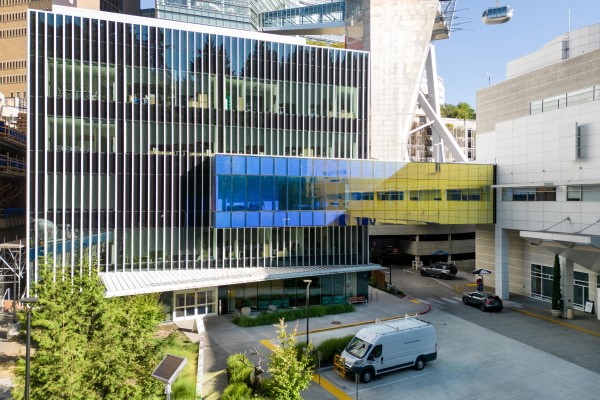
254, 149
542, 128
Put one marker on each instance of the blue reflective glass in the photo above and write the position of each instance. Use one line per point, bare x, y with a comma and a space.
390, 169
253, 219
281, 166
266, 166
306, 218
331, 167
293, 218
319, 167
319, 218
267, 192
294, 167
253, 193
222, 219
331, 218
223, 165
266, 218
280, 218
238, 165
355, 169
379, 170
238, 193
306, 167
253, 165
280, 196
343, 167
238, 219
367, 169
223, 192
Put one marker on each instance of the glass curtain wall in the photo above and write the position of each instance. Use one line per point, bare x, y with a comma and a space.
128, 115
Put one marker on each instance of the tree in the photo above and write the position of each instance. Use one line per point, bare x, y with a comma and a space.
462, 110
88, 346
557, 301
291, 372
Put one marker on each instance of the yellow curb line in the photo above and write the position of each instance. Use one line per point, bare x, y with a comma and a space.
331, 388
555, 321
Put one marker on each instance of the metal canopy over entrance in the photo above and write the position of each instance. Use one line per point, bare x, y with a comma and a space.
581, 249
130, 283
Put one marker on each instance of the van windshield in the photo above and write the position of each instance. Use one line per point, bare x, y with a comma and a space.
358, 348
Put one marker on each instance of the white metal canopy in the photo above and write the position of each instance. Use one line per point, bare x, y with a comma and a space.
131, 283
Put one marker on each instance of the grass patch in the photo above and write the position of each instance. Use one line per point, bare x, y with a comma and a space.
184, 387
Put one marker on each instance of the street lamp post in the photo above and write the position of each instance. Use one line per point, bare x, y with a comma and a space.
30, 303
308, 282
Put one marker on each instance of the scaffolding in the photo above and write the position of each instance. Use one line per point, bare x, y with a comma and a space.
12, 274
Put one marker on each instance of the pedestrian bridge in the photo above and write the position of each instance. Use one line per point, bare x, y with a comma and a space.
330, 19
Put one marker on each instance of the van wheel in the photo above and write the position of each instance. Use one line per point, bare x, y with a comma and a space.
420, 363
366, 376
482, 307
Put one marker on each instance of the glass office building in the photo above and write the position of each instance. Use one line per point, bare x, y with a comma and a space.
217, 167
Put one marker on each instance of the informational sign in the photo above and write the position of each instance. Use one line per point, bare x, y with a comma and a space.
589, 306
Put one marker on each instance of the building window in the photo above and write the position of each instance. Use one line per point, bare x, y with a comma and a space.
541, 281
583, 193
529, 194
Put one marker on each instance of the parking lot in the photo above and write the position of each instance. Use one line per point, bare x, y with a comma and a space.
476, 363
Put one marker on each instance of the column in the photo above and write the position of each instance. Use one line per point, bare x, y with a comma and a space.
502, 266
566, 284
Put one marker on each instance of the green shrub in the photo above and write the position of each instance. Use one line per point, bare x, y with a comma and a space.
329, 348
237, 391
333, 346
237, 370
273, 318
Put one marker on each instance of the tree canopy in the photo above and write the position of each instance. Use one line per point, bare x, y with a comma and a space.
462, 110
88, 346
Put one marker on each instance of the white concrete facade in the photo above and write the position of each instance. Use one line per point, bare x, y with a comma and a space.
548, 170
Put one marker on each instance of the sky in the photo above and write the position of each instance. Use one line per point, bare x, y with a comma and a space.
475, 49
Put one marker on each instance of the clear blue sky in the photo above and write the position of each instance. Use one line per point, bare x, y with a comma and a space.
475, 49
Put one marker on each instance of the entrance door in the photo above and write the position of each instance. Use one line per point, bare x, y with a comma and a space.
192, 303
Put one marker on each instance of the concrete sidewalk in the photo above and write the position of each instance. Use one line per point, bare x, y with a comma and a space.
224, 338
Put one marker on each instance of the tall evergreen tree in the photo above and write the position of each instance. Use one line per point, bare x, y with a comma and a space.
87, 346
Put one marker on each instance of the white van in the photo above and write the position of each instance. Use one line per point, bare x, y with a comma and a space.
390, 345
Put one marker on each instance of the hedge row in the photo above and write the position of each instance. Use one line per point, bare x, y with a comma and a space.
270, 318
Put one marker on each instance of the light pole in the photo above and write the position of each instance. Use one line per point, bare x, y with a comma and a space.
308, 282
30, 303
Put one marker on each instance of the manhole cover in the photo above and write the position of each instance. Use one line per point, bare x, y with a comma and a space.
335, 322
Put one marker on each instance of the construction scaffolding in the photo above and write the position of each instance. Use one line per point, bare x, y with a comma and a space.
12, 274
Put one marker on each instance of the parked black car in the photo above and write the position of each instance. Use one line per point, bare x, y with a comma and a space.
440, 270
484, 300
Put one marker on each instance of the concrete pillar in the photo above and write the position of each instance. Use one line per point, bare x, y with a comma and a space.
502, 265
566, 284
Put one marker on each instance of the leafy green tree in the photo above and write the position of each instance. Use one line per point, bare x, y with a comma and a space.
86, 345
290, 372
462, 110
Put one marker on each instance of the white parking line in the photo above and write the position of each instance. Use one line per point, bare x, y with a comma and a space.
390, 382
